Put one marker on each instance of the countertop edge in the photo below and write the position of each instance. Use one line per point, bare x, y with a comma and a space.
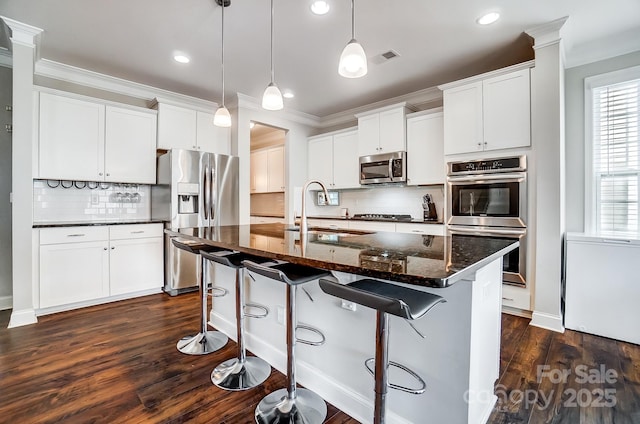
94, 223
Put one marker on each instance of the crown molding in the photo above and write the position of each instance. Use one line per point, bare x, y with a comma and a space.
248, 102
547, 34
497, 72
602, 49
23, 33
72, 74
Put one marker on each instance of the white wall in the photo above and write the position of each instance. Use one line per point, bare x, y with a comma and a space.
575, 142
5, 188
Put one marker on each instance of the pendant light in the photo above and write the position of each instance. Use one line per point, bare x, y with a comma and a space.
353, 60
272, 98
222, 118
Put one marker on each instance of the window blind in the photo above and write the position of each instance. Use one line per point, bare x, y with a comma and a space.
616, 156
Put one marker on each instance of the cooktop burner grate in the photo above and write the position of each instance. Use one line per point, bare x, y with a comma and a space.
381, 217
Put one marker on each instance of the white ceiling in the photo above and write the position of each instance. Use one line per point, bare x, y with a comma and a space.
438, 41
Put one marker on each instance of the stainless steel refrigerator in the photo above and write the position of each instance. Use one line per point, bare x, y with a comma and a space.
194, 189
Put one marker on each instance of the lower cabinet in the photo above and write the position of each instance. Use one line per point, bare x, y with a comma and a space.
86, 264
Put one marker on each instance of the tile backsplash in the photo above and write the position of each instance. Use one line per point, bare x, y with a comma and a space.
79, 201
378, 200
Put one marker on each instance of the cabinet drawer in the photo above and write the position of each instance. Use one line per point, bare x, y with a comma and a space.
372, 226
327, 223
516, 297
429, 229
120, 232
73, 234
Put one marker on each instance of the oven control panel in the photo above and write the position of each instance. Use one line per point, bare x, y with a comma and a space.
485, 166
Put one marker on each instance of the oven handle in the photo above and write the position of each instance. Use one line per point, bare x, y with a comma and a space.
486, 177
488, 231
390, 169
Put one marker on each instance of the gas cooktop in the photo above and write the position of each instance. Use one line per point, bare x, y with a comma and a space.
381, 217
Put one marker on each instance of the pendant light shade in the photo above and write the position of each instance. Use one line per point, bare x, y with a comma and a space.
272, 98
353, 60
222, 118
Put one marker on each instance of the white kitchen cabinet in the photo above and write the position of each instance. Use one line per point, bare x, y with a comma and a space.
89, 141
74, 265
136, 258
488, 114
89, 264
267, 170
372, 226
130, 146
182, 127
382, 130
415, 228
71, 138
425, 148
333, 159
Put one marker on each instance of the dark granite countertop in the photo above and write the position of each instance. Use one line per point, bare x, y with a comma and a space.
98, 222
350, 218
425, 260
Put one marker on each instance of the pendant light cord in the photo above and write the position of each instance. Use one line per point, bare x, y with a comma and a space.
222, 52
353, 20
272, 41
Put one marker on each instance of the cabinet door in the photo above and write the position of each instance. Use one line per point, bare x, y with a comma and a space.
275, 169
346, 168
320, 160
372, 226
425, 150
135, 265
130, 146
463, 119
210, 138
259, 172
176, 127
71, 144
73, 272
369, 135
507, 111
392, 131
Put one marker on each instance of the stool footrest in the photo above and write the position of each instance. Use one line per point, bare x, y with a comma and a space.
313, 330
256, 306
412, 373
221, 290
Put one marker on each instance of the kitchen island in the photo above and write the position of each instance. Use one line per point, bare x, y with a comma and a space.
459, 355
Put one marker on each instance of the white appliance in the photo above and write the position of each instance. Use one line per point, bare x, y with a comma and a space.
194, 189
602, 286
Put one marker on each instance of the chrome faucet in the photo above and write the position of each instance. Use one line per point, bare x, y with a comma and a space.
303, 215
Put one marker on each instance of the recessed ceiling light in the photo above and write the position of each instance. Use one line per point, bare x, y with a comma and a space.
488, 18
181, 58
320, 7
288, 94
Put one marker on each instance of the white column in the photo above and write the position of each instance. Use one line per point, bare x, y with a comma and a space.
24, 39
547, 132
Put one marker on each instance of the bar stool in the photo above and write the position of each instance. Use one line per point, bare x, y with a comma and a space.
291, 405
205, 341
386, 299
242, 372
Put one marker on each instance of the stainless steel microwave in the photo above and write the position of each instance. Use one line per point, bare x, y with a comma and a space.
383, 168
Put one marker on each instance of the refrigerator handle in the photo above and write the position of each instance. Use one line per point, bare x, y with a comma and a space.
213, 195
205, 190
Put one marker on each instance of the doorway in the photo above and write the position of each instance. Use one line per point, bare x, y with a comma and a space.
268, 173
6, 100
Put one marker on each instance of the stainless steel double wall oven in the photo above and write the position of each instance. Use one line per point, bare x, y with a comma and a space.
489, 198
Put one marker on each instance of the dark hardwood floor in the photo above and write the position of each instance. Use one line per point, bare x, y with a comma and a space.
117, 363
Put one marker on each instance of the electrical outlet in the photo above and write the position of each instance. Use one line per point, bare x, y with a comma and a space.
280, 317
349, 306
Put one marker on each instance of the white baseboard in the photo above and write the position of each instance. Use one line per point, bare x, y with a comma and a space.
94, 302
6, 302
547, 321
22, 317
517, 312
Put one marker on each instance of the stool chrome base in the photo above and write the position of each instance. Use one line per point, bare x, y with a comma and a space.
202, 343
277, 408
235, 375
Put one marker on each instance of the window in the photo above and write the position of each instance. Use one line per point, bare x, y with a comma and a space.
614, 152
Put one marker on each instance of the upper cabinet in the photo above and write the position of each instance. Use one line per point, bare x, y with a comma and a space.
333, 159
267, 170
425, 148
86, 140
488, 114
181, 127
382, 130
